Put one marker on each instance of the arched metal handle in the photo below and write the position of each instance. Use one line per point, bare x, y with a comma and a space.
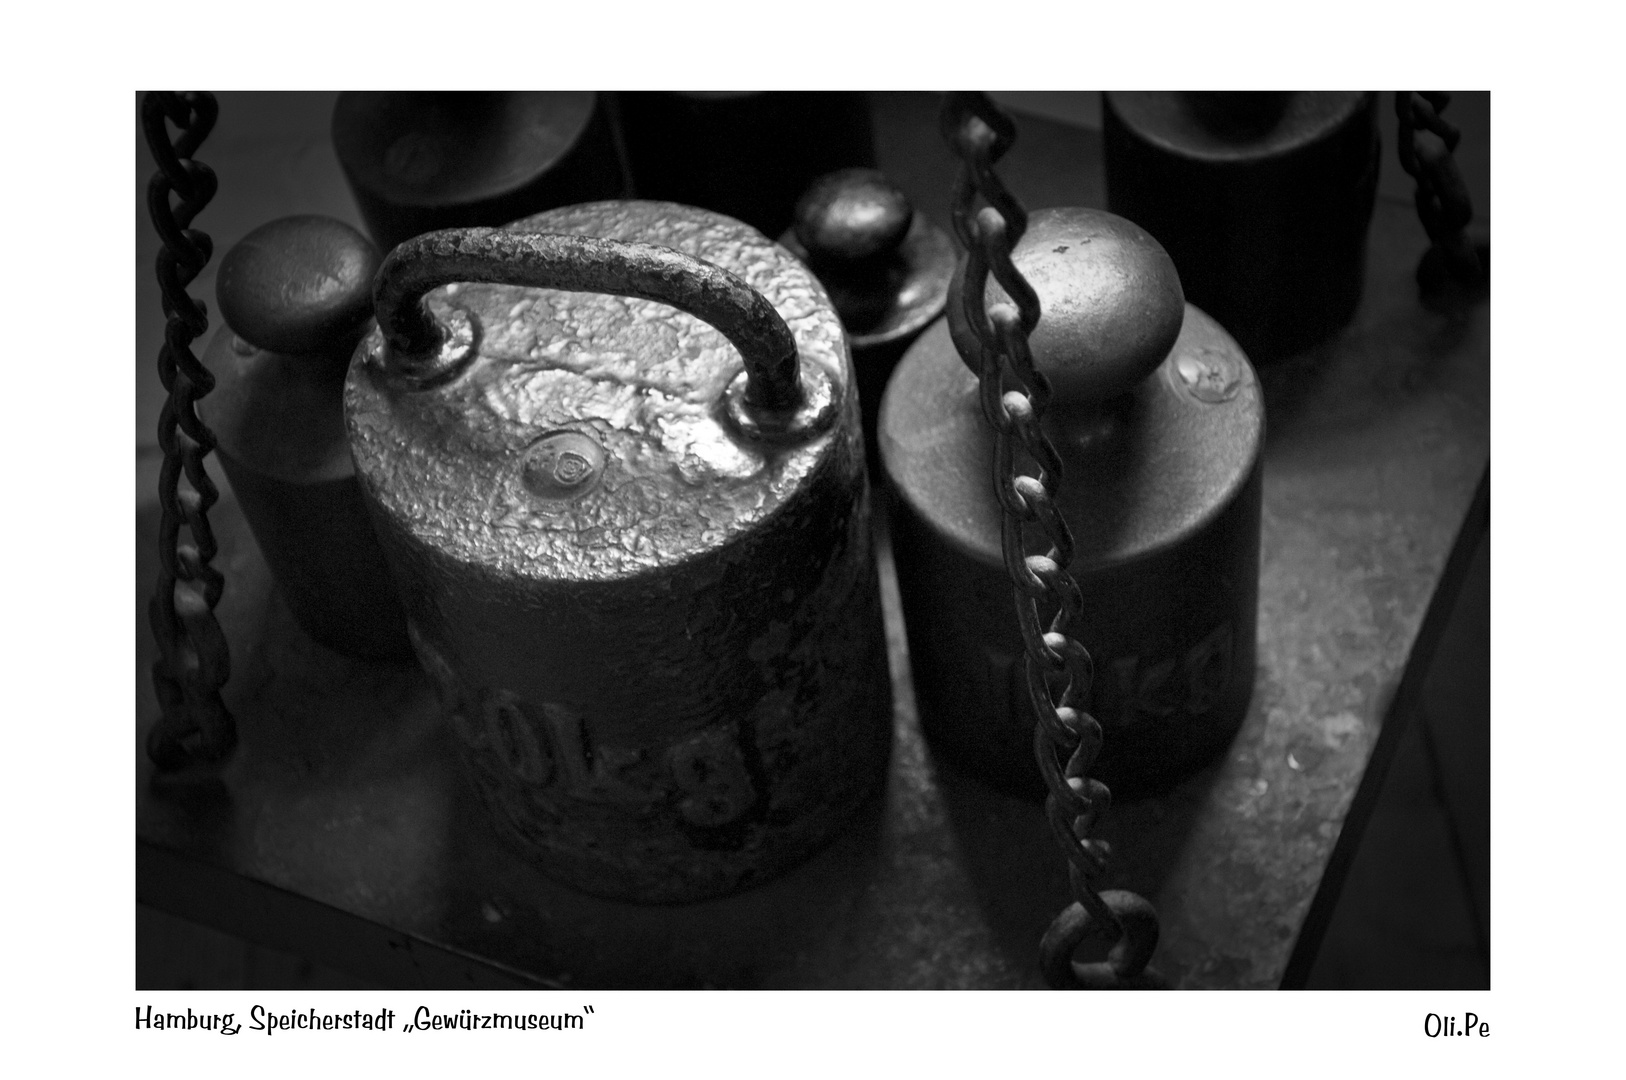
588, 264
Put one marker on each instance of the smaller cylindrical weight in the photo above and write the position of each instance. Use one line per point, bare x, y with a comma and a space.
1262, 198
296, 296
1158, 420
887, 270
423, 160
747, 155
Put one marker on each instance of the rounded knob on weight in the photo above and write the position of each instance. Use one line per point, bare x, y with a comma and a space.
1110, 302
299, 285
852, 217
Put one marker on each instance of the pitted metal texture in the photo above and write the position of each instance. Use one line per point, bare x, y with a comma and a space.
641, 380
657, 638
757, 762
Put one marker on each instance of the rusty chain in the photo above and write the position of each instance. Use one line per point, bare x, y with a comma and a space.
194, 661
1014, 398
1427, 144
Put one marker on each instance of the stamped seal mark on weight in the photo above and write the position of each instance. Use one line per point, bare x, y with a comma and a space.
562, 465
1209, 375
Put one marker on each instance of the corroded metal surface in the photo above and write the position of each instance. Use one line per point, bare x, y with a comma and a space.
573, 263
642, 378
657, 640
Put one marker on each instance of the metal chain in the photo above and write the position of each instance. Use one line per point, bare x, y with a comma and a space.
1059, 670
194, 661
1427, 144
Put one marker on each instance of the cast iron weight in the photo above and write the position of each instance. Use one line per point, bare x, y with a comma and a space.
434, 159
1069, 348
887, 270
1157, 420
1263, 199
296, 296
1082, 323
628, 510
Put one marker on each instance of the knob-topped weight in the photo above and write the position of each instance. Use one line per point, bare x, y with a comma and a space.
1110, 301
852, 217
885, 267
299, 285
296, 294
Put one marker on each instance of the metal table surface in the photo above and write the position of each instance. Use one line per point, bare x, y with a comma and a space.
343, 828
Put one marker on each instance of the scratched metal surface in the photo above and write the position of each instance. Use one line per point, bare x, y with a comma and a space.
346, 788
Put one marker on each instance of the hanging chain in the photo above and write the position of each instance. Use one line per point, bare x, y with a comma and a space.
1059, 671
193, 660
1427, 144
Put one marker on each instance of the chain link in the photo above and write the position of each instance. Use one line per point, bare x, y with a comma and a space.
1427, 144
194, 661
1014, 396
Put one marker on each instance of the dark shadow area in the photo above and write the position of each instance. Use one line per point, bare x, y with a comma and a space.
1408, 904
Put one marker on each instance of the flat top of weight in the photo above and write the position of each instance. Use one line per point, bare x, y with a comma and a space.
587, 440
427, 148
1167, 120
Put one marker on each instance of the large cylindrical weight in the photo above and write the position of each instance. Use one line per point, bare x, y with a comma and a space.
1158, 418
747, 155
296, 296
422, 160
641, 578
1263, 200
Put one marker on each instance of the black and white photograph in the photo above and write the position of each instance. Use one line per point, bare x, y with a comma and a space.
738, 558
813, 539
